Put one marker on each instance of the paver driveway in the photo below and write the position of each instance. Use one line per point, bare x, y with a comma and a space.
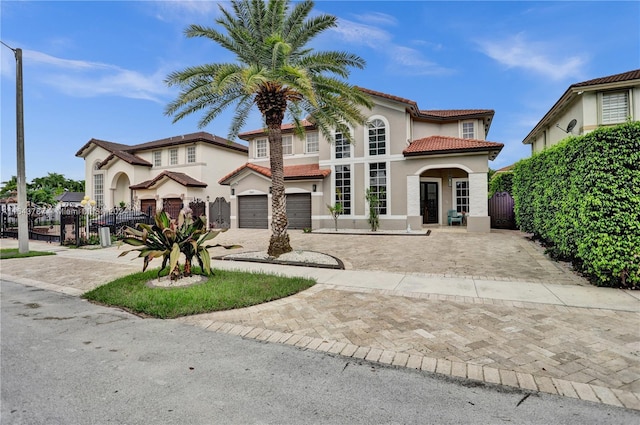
500, 255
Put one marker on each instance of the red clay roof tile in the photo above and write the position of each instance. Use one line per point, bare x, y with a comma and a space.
443, 144
291, 172
181, 178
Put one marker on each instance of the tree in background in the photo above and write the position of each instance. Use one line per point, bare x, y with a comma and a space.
43, 190
277, 71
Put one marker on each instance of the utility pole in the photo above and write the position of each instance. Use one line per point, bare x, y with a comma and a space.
23, 213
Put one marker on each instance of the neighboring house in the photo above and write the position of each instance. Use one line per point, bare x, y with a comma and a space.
69, 200
420, 163
586, 106
162, 174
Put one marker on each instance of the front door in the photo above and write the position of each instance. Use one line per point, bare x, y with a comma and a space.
429, 202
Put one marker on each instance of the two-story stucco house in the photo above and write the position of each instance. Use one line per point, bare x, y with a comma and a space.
162, 174
420, 163
586, 106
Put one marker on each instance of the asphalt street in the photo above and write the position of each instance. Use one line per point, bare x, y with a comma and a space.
67, 361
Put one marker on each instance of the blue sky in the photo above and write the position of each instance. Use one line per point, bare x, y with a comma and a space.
97, 69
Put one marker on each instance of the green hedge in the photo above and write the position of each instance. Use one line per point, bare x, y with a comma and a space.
501, 182
582, 198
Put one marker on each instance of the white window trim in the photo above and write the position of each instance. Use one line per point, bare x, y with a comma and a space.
367, 183
293, 151
306, 143
266, 148
601, 106
176, 158
387, 135
351, 149
475, 129
333, 188
454, 200
195, 154
153, 156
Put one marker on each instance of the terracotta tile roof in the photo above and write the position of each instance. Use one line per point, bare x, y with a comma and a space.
201, 136
291, 172
575, 90
389, 96
443, 144
126, 157
457, 113
181, 178
616, 78
505, 169
286, 128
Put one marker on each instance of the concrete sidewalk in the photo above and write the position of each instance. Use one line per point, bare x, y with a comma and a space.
572, 340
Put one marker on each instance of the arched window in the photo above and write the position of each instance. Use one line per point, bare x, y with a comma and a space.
377, 137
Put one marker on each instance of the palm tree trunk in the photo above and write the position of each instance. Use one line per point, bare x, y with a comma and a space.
279, 243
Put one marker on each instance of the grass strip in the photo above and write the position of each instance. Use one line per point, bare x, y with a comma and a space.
224, 290
6, 253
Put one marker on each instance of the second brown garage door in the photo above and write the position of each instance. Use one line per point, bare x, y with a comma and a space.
253, 212
299, 210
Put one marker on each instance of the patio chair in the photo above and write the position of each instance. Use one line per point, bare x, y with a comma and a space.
454, 216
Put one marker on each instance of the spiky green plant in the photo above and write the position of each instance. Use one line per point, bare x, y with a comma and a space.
168, 238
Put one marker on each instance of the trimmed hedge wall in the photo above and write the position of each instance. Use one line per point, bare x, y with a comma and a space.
501, 182
582, 199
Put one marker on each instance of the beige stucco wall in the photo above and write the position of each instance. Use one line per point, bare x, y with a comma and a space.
585, 109
403, 174
211, 164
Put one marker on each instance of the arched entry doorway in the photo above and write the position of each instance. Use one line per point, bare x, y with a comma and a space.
121, 191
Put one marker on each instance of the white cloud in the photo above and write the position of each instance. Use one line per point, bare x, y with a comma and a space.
184, 10
377, 18
402, 59
543, 58
80, 78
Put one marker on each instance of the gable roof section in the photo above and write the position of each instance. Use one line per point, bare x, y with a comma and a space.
285, 128
291, 172
126, 157
127, 153
70, 197
437, 115
624, 79
438, 145
181, 178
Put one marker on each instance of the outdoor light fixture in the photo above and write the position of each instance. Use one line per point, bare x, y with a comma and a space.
270, 189
450, 180
233, 192
314, 187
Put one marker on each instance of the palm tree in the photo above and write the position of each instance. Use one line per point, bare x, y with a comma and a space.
278, 72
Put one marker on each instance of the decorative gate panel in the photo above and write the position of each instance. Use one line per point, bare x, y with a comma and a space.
220, 214
501, 211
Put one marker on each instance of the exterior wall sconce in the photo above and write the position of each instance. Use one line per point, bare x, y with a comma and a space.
207, 199
450, 181
270, 189
314, 187
233, 191
182, 196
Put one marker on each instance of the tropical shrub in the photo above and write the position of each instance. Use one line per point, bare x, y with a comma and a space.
168, 238
374, 211
582, 199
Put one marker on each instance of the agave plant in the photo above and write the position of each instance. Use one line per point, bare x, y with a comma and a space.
168, 238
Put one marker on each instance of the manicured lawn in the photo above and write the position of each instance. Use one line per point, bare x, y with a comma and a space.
6, 253
224, 290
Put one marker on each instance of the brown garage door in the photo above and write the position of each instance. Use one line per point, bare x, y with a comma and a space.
299, 210
253, 212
